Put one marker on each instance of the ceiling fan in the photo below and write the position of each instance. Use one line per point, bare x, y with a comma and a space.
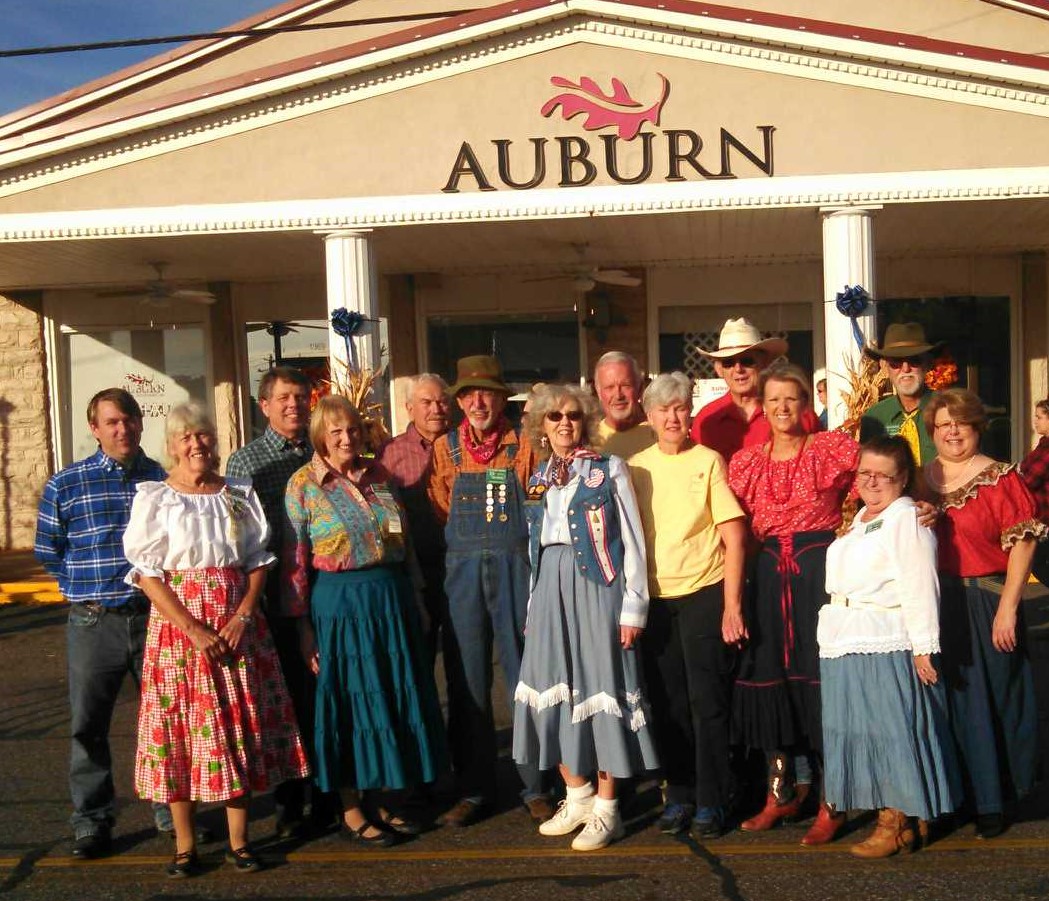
159, 292
584, 278
281, 327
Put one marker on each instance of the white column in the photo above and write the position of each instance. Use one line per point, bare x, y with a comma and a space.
353, 282
848, 260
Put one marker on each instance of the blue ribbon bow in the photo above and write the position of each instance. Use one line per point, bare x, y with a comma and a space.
852, 302
348, 324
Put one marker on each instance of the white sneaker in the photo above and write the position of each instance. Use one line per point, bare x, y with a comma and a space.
569, 817
601, 829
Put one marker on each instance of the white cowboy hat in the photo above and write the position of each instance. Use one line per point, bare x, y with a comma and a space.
738, 336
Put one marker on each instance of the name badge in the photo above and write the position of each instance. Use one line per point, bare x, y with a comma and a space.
393, 516
874, 526
496, 476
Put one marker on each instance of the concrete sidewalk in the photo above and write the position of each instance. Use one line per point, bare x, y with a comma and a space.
23, 580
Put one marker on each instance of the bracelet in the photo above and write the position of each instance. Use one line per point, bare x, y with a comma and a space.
245, 618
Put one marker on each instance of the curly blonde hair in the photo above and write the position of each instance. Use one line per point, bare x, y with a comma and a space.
552, 397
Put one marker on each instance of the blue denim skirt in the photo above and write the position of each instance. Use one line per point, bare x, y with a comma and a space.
886, 737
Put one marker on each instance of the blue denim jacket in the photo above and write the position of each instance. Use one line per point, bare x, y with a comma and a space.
594, 523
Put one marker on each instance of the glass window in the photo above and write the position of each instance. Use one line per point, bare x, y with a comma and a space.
159, 367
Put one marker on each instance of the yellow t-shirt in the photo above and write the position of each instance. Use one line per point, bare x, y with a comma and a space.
624, 444
683, 498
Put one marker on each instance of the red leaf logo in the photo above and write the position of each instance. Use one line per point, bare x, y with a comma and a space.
602, 110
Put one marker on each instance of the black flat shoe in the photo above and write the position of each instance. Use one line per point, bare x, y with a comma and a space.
395, 822
243, 859
382, 840
184, 865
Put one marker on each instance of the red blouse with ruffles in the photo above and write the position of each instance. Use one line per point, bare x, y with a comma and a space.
803, 494
981, 521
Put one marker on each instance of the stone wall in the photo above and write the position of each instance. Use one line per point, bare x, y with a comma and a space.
25, 429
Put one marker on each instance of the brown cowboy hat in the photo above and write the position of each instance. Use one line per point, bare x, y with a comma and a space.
903, 339
479, 372
740, 335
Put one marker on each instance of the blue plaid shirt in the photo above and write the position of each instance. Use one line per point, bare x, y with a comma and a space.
80, 527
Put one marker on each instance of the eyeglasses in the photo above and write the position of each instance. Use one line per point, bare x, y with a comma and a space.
571, 415
873, 478
745, 360
913, 362
951, 424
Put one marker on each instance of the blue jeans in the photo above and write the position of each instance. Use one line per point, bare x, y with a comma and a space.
102, 648
487, 602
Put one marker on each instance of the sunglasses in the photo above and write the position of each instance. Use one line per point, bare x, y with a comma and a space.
745, 360
571, 415
913, 362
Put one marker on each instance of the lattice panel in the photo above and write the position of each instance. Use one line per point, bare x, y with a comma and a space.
698, 366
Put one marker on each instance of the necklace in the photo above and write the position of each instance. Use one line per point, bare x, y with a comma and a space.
945, 485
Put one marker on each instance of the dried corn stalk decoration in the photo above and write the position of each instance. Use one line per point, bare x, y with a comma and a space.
357, 383
868, 383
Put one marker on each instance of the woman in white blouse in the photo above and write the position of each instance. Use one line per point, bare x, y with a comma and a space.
579, 704
886, 736
215, 721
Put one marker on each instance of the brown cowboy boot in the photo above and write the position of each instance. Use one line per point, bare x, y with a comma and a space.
893, 833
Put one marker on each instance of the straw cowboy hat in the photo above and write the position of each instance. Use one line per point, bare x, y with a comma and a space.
479, 372
903, 339
738, 336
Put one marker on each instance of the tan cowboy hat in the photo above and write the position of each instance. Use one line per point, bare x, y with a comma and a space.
903, 339
738, 336
479, 372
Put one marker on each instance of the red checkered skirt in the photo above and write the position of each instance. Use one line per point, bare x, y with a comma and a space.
213, 731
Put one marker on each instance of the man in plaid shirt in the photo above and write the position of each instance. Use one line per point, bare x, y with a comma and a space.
269, 461
79, 539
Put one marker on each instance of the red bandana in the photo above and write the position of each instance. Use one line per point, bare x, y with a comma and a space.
481, 453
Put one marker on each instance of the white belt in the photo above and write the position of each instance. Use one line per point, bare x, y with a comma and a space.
841, 600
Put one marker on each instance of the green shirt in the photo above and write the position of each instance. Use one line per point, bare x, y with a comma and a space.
886, 417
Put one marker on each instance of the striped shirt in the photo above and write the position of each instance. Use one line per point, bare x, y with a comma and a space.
80, 527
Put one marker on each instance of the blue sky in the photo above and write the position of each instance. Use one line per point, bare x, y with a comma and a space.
41, 23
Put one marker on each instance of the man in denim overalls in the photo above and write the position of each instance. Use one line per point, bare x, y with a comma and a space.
480, 469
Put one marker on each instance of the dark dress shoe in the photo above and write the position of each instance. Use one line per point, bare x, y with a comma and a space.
400, 824
243, 859
88, 847
381, 839
183, 865
464, 813
990, 825
540, 809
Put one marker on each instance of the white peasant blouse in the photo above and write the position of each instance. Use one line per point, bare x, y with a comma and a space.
170, 530
884, 588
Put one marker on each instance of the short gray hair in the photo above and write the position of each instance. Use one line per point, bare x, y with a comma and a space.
552, 397
666, 388
187, 417
618, 356
416, 380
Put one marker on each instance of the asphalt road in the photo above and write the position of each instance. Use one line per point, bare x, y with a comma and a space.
503, 858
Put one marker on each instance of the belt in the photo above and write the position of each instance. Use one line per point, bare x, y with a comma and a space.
841, 600
131, 608
993, 582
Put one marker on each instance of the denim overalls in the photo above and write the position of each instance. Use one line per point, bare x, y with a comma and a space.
487, 588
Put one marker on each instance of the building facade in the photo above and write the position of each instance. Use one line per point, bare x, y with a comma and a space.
543, 180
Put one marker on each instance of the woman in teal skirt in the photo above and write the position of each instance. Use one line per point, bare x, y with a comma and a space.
378, 724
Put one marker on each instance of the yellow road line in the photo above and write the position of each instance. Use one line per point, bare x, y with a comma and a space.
668, 849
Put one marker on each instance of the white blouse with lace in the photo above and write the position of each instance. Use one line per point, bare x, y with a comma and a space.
171, 530
884, 589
